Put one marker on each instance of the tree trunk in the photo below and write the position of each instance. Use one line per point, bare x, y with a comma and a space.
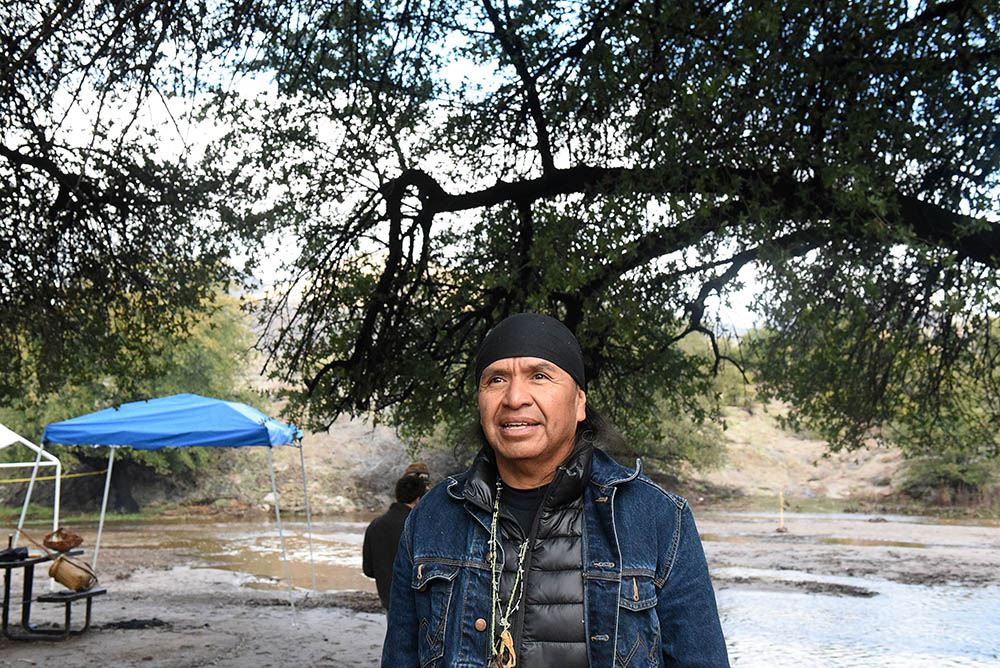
121, 481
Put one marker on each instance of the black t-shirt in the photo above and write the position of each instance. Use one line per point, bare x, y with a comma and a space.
523, 504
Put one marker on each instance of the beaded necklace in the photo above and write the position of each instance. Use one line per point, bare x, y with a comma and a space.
502, 648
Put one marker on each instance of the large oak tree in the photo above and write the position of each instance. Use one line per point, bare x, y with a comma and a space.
616, 163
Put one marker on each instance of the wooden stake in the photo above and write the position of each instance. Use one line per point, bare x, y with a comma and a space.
781, 512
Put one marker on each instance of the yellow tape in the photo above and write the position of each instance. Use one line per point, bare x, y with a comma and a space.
52, 477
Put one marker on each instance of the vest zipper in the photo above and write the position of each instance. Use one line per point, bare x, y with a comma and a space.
532, 535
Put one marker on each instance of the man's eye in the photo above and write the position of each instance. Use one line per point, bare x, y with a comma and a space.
540, 376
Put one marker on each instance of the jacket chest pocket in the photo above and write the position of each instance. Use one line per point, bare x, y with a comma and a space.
432, 583
638, 642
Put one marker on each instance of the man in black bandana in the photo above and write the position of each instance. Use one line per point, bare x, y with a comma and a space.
547, 553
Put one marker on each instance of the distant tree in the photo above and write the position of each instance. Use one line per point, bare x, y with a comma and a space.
212, 361
617, 164
953, 443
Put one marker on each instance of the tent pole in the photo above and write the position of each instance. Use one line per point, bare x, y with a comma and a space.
27, 496
281, 533
305, 493
104, 506
56, 499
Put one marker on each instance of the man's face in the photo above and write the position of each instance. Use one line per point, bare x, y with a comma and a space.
529, 408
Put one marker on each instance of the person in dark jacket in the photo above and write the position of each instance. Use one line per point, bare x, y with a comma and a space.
382, 536
547, 553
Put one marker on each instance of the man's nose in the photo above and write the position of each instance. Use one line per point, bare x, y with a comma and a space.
517, 393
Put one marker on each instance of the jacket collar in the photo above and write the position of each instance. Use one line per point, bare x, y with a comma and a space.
480, 481
478, 484
606, 472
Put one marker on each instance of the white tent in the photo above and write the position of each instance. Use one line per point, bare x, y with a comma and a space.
42, 458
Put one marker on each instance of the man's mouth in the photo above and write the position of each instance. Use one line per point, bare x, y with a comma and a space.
520, 424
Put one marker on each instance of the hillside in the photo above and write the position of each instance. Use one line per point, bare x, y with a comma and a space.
764, 460
354, 466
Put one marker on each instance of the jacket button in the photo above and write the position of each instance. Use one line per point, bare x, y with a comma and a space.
480, 624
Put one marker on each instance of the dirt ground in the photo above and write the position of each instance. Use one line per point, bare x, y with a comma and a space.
162, 610
186, 617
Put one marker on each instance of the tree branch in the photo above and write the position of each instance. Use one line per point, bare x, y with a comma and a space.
514, 48
973, 238
593, 33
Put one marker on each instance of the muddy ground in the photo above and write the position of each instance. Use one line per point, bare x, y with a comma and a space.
164, 609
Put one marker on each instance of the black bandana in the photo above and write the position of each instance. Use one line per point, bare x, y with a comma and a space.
533, 335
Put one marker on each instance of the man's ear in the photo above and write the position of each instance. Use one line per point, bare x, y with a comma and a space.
581, 405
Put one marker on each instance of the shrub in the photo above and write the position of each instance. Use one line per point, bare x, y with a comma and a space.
950, 478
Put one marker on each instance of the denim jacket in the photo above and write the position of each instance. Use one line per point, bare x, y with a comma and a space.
648, 599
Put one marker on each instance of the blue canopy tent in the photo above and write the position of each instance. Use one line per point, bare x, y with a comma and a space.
181, 421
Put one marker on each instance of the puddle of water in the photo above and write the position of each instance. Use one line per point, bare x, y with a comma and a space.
255, 548
859, 517
728, 539
870, 542
907, 626
336, 553
963, 521
865, 542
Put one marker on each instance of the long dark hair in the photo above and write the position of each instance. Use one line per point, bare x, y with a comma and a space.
594, 430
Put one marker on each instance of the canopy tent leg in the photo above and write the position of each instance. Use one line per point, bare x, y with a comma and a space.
281, 533
57, 498
305, 493
27, 496
104, 506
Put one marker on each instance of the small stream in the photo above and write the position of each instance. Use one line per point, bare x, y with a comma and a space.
899, 626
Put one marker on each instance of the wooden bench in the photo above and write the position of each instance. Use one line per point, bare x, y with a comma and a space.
68, 597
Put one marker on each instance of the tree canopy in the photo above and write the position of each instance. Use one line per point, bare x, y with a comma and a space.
616, 163
108, 233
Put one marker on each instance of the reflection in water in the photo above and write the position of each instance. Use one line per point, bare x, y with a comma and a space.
255, 548
712, 537
904, 626
870, 542
858, 517
336, 553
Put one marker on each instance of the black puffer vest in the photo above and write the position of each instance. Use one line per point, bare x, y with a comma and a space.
548, 626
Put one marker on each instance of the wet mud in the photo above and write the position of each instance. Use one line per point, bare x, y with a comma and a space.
808, 586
